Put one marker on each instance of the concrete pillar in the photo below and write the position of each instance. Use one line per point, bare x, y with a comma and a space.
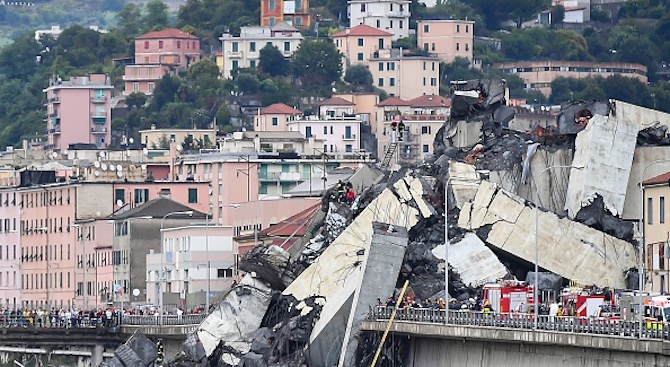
96, 354
381, 266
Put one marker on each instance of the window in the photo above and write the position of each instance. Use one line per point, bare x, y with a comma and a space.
136, 87
433, 82
362, 7
178, 44
275, 121
224, 273
661, 208
325, 130
391, 6
425, 148
150, 87
308, 132
141, 195
236, 46
348, 148
390, 66
391, 24
425, 46
424, 65
650, 211
391, 82
400, 26
192, 196
466, 28
272, 4
252, 64
235, 65
298, 21
160, 45
298, 5
380, 82
458, 46
433, 66
432, 46
467, 47
120, 195
272, 21
379, 24
381, 43
287, 46
458, 28
360, 42
252, 46
424, 82
360, 56
146, 45
381, 66
425, 129
425, 28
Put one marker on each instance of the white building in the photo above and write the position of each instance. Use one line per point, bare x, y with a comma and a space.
389, 15
245, 51
340, 134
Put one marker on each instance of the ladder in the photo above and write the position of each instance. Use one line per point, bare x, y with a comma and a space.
390, 151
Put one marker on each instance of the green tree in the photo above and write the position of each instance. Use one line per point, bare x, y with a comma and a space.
497, 11
272, 61
204, 76
358, 76
130, 20
246, 83
156, 16
165, 92
318, 64
136, 100
18, 60
557, 15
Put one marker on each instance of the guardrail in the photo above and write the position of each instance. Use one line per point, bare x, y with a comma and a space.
87, 322
155, 320
568, 324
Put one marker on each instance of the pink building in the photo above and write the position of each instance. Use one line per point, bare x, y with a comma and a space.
10, 247
446, 39
158, 53
79, 111
94, 270
275, 117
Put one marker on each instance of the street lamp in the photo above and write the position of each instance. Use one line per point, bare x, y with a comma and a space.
640, 244
162, 270
537, 242
235, 206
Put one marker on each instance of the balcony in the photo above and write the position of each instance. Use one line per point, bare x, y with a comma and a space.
99, 99
137, 78
99, 130
349, 137
51, 100
398, 14
99, 114
279, 176
235, 54
55, 130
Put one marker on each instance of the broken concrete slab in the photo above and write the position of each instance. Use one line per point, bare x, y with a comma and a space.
236, 318
566, 248
336, 273
468, 251
642, 161
604, 149
464, 181
384, 257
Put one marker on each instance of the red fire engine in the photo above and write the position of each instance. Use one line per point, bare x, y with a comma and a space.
508, 296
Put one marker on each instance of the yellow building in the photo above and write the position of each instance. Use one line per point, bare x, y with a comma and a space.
154, 138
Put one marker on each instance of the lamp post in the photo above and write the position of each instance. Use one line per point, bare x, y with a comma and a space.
640, 243
537, 242
162, 270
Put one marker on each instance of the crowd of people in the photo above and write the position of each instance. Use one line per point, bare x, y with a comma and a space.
73, 318
343, 193
472, 304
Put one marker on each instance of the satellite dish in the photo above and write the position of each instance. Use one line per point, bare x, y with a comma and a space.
119, 174
179, 147
102, 154
119, 203
132, 168
112, 167
144, 167
96, 173
54, 155
96, 164
136, 292
131, 140
119, 168
103, 166
145, 151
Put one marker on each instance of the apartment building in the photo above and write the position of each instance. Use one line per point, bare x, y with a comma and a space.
405, 76
157, 138
359, 43
293, 12
275, 117
388, 15
539, 74
159, 53
422, 118
78, 110
446, 39
656, 230
340, 133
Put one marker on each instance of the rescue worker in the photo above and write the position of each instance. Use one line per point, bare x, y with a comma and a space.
394, 136
487, 307
159, 346
401, 130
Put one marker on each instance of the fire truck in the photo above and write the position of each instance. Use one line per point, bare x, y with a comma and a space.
508, 296
584, 302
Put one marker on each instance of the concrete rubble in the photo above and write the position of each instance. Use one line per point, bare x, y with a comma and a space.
302, 307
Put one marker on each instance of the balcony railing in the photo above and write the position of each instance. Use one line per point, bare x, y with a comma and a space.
99, 130
235, 54
99, 114
280, 176
99, 99
349, 137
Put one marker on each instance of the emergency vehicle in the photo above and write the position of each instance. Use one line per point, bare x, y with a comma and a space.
657, 308
508, 296
582, 302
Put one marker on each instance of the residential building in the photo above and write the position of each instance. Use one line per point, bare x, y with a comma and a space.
340, 134
197, 258
275, 117
576, 11
140, 231
422, 118
359, 43
388, 15
78, 111
10, 250
656, 230
336, 106
160, 138
244, 51
539, 74
405, 76
293, 12
446, 39
159, 53
94, 270
272, 142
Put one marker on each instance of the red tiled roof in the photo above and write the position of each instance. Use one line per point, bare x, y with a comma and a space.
430, 101
279, 109
167, 33
660, 179
362, 30
336, 101
291, 228
392, 102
